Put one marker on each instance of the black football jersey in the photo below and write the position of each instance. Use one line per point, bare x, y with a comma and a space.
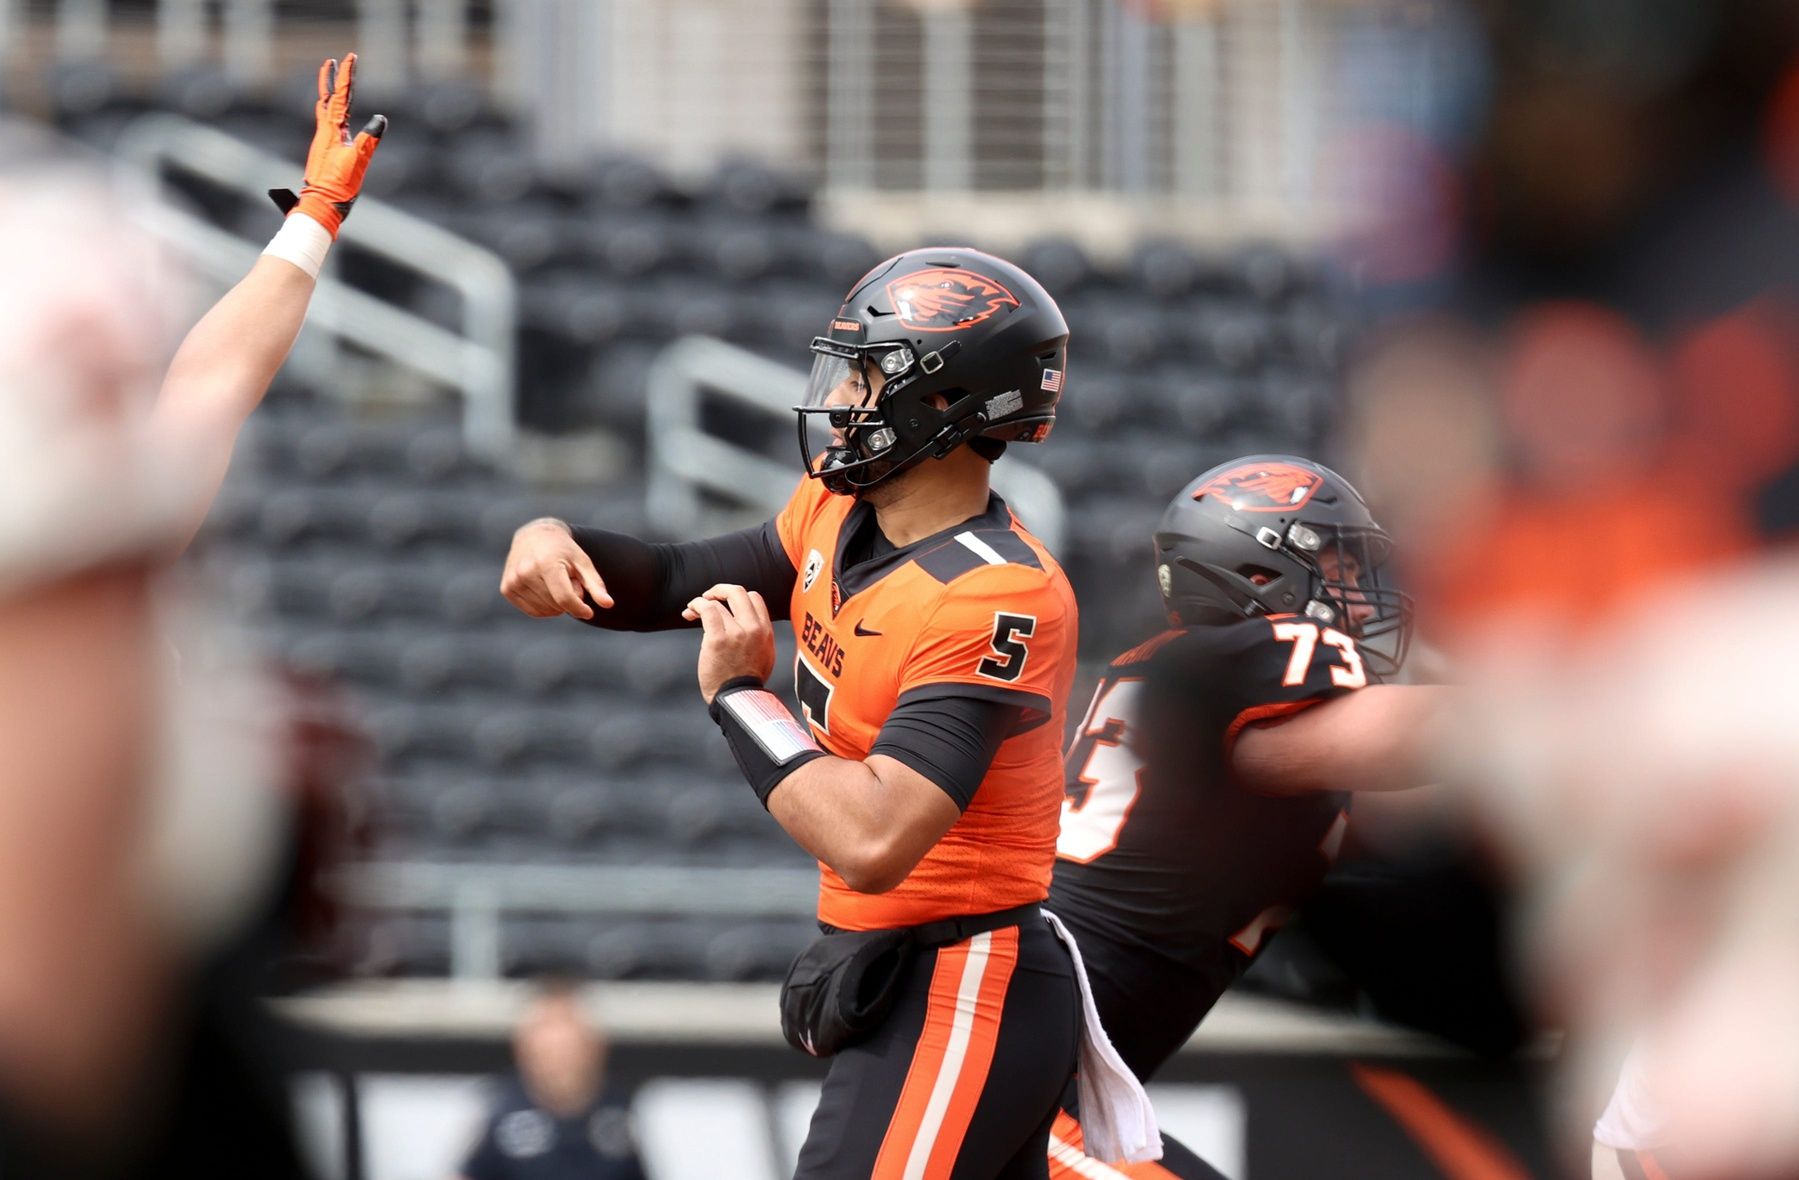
1171, 875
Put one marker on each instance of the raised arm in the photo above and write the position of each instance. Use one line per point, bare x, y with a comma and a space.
225, 364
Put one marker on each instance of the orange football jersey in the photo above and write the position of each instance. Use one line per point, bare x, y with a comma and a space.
982, 607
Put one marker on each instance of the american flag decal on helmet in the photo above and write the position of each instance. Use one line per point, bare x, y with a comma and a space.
1052, 380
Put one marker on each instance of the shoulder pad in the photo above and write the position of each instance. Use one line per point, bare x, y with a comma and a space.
1145, 651
966, 552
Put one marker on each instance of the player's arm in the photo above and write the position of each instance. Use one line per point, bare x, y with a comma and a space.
555, 568
225, 364
870, 820
873, 821
1377, 738
1288, 703
224, 367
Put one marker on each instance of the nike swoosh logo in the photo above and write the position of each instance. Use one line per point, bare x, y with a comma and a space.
860, 631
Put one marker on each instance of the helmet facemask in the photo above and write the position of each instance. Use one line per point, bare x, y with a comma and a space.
1347, 592
853, 430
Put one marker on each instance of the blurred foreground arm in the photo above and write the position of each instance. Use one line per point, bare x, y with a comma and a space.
1379, 738
225, 364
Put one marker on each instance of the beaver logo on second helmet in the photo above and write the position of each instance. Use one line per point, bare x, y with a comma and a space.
1263, 486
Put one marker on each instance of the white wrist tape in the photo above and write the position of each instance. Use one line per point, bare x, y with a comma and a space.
766, 720
301, 241
767, 741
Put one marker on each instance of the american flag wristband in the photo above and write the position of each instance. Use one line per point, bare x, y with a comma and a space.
768, 742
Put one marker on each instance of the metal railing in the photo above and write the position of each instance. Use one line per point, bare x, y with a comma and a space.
1225, 104
691, 466
476, 897
475, 359
431, 39
1201, 116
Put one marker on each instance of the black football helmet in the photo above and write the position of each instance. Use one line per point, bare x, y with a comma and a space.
1277, 534
942, 320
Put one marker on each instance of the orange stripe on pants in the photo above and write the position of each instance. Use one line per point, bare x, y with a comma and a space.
990, 1003
955, 1051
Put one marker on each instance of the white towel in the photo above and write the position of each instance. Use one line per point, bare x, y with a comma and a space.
1117, 1123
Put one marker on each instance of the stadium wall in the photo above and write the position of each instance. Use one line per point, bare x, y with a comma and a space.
393, 1079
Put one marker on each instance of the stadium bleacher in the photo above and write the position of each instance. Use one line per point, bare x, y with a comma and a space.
367, 549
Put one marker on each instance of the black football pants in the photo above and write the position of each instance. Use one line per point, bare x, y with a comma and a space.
965, 1077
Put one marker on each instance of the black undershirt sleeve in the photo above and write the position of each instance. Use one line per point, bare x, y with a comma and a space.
949, 739
651, 584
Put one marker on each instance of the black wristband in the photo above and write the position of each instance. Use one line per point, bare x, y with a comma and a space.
768, 742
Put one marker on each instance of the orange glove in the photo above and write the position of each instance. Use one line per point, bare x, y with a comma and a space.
335, 164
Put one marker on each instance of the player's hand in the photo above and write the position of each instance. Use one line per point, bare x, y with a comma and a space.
335, 164
740, 637
546, 573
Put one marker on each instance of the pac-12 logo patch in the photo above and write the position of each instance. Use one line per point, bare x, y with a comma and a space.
815, 561
1263, 487
946, 299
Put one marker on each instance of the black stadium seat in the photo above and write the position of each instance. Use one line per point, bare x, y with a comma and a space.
834, 258
1061, 265
752, 188
623, 181
297, 516
1165, 269
490, 170
1265, 271
762, 950
631, 244
366, 549
410, 168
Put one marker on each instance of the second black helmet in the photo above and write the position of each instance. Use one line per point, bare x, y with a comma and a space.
1278, 534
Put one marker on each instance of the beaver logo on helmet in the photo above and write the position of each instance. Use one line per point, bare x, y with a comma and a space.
942, 299
1263, 487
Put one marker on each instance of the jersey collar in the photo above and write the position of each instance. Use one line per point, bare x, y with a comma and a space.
851, 582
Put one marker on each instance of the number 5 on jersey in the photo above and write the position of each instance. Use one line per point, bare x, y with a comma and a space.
1009, 651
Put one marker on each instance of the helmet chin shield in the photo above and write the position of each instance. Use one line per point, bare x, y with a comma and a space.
845, 439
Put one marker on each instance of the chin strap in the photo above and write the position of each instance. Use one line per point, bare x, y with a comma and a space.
957, 433
838, 467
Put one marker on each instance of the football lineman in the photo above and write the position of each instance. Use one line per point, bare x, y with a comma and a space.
1209, 783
